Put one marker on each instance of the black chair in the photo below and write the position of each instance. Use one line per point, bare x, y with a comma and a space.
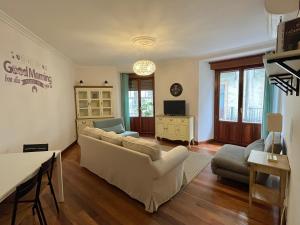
35, 148
38, 148
47, 168
25, 188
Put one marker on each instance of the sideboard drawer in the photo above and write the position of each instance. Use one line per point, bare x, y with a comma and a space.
183, 121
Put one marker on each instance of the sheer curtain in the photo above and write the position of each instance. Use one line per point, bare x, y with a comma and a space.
271, 104
125, 100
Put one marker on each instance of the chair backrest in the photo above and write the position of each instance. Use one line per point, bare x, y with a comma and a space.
27, 186
48, 165
35, 147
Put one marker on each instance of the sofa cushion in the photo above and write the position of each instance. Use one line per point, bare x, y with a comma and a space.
277, 142
112, 138
257, 145
231, 157
131, 134
117, 128
140, 145
92, 132
107, 122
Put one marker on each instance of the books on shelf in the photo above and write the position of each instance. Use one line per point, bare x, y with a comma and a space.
288, 35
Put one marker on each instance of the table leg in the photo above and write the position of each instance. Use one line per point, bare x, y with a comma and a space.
251, 182
283, 177
59, 178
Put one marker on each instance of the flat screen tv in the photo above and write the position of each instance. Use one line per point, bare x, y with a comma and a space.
174, 108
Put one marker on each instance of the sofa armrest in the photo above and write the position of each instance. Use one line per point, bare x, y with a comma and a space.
169, 161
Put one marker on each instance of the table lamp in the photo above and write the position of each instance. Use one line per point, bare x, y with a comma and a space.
274, 122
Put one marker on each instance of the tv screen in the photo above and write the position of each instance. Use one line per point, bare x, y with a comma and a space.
174, 108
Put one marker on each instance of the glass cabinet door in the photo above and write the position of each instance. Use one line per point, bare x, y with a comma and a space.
95, 103
106, 103
83, 103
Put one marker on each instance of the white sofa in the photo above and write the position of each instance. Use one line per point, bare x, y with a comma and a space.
150, 182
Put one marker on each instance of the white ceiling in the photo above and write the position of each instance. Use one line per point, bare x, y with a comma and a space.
99, 32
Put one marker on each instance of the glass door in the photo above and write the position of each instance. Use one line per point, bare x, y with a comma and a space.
239, 108
252, 104
141, 104
253, 95
227, 124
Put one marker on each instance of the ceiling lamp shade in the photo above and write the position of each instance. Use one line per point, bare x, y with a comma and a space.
144, 67
281, 6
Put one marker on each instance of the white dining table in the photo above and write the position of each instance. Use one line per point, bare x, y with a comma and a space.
15, 168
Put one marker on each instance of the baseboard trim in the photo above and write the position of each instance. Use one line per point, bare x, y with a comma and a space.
69, 147
209, 141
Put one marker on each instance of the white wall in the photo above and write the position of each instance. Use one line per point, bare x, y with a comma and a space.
47, 116
206, 102
96, 76
185, 72
291, 132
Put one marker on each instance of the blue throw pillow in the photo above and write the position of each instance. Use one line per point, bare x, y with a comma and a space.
117, 128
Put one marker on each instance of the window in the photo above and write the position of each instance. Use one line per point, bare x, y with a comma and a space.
133, 103
253, 95
146, 98
147, 103
133, 98
229, 96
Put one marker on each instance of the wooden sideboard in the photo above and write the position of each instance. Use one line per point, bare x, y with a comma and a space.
179, 128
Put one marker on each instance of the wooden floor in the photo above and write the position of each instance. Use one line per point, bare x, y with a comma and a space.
89, 200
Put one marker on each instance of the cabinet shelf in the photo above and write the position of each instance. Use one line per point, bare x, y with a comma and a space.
264, 194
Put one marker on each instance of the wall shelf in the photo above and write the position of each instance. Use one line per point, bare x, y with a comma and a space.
282, 69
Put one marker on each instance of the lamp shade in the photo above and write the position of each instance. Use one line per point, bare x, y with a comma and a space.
274, 121
144, 67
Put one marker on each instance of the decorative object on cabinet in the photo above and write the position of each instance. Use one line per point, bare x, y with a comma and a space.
179, 128
92, 103
176, 89
81, 82
105, 83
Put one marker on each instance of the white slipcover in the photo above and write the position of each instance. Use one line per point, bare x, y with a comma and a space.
150, 182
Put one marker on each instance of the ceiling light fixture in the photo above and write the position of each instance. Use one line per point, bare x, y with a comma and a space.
144, 67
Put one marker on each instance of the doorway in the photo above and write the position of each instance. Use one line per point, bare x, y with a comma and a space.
239, 97
141, 104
